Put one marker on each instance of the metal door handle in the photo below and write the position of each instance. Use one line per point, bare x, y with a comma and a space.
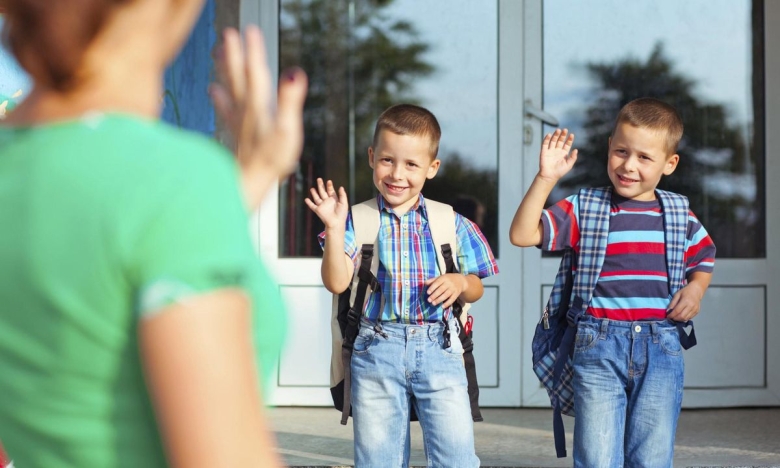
533, 111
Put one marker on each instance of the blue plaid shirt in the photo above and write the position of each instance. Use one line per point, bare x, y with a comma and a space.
407, 258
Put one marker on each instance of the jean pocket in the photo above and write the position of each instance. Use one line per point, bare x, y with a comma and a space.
364, 340
455, 349
670, 343
585, 339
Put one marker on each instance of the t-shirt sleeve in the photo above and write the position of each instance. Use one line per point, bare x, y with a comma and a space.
474, 254
699, 249
194, 236
560, 228
350, 245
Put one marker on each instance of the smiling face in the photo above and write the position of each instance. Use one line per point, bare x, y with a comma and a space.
401, 164
637, 160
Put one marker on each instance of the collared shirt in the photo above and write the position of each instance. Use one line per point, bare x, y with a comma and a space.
407, 258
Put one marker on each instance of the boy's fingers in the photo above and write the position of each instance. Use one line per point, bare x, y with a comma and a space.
568, 142
554, 139
343, 196
571, 159
562, 138
546, 141
321, 189
315, 196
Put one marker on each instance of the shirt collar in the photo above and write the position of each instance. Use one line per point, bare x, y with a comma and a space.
418, 205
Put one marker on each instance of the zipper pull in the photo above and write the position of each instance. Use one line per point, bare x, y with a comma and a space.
546, 319
379, 330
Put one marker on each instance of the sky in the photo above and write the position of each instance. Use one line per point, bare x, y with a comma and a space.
12, 78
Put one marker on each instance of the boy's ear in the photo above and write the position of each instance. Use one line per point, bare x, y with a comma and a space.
371, 157
433, 169
671, 164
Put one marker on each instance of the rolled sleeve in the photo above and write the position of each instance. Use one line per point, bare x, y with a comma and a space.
474, 254
350, 245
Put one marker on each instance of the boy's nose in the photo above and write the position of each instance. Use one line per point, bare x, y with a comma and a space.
397, 172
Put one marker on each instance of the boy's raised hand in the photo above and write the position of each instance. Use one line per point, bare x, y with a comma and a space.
331, 207
556, 157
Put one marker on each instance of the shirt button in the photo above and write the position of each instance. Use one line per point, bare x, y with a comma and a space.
413, 331
637, 329
406, 283
406, 254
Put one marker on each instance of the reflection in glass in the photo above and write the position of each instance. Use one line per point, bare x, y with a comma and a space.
363, 56
705, 57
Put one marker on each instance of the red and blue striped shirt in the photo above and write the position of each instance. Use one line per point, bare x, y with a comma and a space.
633, 284
407, 258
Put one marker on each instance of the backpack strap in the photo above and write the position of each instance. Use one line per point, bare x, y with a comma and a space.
593, 224
365, 220
441, 223
675, 208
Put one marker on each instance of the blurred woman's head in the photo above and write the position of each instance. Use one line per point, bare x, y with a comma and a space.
62, 42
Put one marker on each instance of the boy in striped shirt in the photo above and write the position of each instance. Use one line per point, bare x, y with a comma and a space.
628, 364
404, 361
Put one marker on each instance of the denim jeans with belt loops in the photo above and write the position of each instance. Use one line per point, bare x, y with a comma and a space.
628, 387
410, 366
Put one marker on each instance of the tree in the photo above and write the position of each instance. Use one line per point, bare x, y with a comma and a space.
359, 61
713, 152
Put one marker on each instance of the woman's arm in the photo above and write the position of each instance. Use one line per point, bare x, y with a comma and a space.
199, 364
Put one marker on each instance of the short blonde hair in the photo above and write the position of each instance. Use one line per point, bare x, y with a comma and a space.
656, 115
408, 119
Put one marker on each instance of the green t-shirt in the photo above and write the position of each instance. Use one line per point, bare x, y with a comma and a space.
102, 220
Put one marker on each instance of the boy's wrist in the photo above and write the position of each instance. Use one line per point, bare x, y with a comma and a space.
552, 181
335, 230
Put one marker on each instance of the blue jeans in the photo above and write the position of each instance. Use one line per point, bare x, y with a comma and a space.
628, 387
410, 367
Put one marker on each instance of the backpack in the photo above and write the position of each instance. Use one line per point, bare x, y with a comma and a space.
348, 306
552, 345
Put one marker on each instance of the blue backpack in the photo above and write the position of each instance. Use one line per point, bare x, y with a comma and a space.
554, 336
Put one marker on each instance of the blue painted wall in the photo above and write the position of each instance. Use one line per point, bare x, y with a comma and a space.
12, 78
187, 103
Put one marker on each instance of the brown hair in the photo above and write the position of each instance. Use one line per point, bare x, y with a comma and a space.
408, 119
655, 115
49, 37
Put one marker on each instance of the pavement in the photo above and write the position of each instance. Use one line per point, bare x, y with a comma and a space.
511, 437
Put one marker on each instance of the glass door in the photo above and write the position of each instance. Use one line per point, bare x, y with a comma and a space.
361, 57
713, 61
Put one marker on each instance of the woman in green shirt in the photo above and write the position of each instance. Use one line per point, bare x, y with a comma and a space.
134, 315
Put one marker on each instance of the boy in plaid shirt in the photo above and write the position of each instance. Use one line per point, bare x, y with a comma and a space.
404, 361
627, 364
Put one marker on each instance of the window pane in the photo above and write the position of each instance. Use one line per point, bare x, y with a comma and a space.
363, 56
705, 57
